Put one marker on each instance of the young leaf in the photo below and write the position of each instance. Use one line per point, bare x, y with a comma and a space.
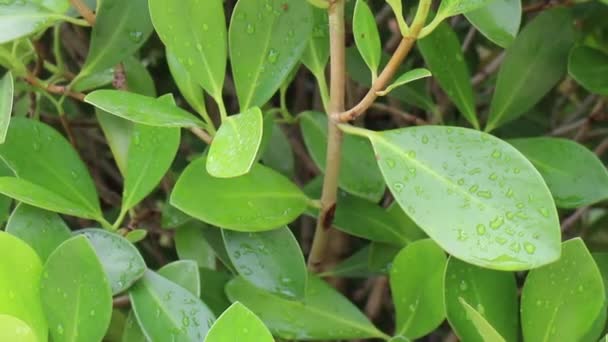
269, 260
267, 39
525, 78
575, 175
485, 330
588, 67
121, 261
407, 77
20, 19
14, 329
316, 54
75, 294
367, 36
236, 203
6, 104
323, 314
397, 7
491, 195
235, 146
498, 21
359, 174
20, 273
190, 244
417, 288
190, 89
492, 294
443, 55
571, 289
195, 31
185, 274
44, 231
142, 109
238, 324
168, 312
56, 167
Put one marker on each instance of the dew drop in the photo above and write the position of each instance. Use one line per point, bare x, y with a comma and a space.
496, 154
529, 247
497, 222
481, 229
411, 154
136, 36
463, 285
425, 139
273, 56
250, 28
390, 163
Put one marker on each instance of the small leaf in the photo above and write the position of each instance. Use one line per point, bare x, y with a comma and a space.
417, 288
485, 330
571, 289
575, 175
499, 20
44, 231
270, 260
397, 7
6, 103
367, 36
235, 146
121, 261
316, 54
14, 329
142, 109
136, 235
588, 67
407, 77
267, 39
237, 203
323, 314
20, 19
238, 324
190, 244
185, 274
75, 293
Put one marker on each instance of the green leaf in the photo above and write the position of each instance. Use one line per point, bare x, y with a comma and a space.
571, 289
381, 256
499, 20
485, 330
588, 66
316, 54
75, 293
323, 314
238, 324
359, 174
190, 244
121, 28
397, 7
493, 294
56, 167
215, 240
190, 89
497, 211
405, 223
238, 203
443, 55
279, 155
20, 273
167, 311
20, 19
14, 329
212, 289
525, 78
44, 231
270, 260
355, 266
367, 36
575, 175
185, 274
142, 109
136, 235
121, 261
405, 78
235, 146
195, 31
449, 8
267, 39
6, 103
417, 288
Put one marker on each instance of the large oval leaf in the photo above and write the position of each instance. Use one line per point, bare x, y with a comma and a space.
190, 89
6, 103
190, 244
323, 314
75, 293
260, 200
14, 329
270, 260
575, 175
499, 20
571, 289
238, 324
588, 67
267, 38
485, 330
22, 18
496, 210
367, 36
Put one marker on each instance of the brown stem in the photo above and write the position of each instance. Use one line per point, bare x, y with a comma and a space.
121, 302
52, 88
84, 11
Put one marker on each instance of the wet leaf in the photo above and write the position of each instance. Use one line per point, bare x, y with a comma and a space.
485, 330
499, 20
14, 329
238, 324
6, 103
185, 274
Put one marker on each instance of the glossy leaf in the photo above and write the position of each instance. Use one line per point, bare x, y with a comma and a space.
269, 260
493, 294
75, 293
485, 330
215, 240
588, 67
238, 324
44, 231
190, 89
57, 167
381, 256
405, 223
121, 28
195, 31
367, 36
575, 175
279, 155
185, 274
6, 103
14, 329
190, 244
359, 174
267, 39
237, 203
443, 55
167, 311
417, 288
235, 146
497, 211
533, 64
355, 266
323, 314
20, 273
316, 54
20, 19
212, 289
121, 261
450, 8
499, 20
571, 289
407, 77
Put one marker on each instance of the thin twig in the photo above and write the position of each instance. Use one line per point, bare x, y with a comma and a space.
412, 119
84, 11
52, 88
201, 134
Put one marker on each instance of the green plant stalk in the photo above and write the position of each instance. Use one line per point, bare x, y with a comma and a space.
323, 91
